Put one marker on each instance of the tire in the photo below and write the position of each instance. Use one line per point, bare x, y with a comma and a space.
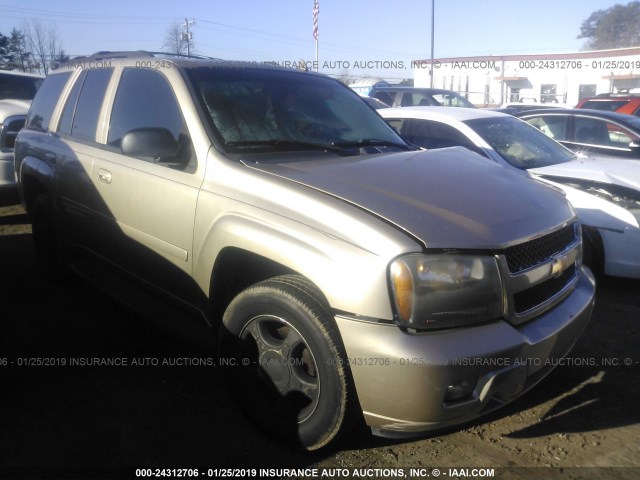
289, 374
52, 257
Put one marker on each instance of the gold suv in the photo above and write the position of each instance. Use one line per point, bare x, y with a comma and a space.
349, 275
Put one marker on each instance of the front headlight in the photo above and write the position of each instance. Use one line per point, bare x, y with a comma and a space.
445, 290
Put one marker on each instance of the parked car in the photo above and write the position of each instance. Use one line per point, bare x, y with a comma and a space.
16, 92
605, 193
613, 102
349, 274
594, 132
401, 96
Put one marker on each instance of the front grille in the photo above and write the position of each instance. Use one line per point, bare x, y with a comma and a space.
537, 251
540, 273
9, 131
534, 296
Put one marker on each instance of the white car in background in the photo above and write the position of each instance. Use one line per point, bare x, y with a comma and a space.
604, 192
17, 89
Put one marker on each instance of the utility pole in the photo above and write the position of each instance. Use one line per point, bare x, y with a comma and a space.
187, 35
433, 23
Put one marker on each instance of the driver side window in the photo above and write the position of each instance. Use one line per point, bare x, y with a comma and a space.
145, 102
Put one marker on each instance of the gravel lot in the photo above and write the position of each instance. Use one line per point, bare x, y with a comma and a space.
67, 419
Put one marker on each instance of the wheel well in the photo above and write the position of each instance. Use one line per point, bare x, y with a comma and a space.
593, 256
234, 270
31, 188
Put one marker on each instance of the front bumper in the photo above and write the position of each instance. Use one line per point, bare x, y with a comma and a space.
622, 252
402, 380
7, 175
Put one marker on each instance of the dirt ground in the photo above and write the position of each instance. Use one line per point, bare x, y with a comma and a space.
63, 421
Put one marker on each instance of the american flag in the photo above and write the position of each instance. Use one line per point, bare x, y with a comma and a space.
316, 10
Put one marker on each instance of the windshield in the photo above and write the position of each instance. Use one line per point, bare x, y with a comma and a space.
520, 144
19, 87
258, 109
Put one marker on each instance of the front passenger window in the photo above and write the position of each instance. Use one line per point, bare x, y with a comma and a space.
145, 113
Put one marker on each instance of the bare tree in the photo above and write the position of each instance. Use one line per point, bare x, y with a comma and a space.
345, 77
178, 40
43, 43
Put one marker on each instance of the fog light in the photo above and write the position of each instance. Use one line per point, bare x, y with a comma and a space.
459, 391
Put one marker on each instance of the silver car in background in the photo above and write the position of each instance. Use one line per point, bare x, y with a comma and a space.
604, 192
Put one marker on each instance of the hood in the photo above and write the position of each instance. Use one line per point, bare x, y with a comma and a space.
625, 173
11, 107
445, 198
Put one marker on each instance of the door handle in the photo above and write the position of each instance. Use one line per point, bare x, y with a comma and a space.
51, 157
104, 176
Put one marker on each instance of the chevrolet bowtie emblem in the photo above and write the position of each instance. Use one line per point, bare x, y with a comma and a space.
558, 265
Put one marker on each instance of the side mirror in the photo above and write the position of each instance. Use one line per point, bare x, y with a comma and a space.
155, 143
635, 146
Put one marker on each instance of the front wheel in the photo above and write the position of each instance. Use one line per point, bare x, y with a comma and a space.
286, 361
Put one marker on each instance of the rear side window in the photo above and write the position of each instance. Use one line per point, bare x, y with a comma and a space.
598, 132
80, 114
46, 100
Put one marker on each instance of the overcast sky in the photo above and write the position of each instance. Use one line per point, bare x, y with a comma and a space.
380, 35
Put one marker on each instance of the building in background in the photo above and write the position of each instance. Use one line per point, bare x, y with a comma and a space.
543, 78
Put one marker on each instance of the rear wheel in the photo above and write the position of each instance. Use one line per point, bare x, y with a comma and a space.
289, 372
50, 253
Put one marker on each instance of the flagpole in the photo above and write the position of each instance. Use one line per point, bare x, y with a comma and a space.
316, 13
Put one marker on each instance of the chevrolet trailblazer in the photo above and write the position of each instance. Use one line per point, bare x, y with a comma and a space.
350, 275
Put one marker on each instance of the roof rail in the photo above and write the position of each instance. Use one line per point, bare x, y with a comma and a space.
182, 55
616, 95
105, 55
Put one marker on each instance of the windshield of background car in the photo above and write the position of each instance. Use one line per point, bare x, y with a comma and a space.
19, 87
283, 109
609, 105
520, 144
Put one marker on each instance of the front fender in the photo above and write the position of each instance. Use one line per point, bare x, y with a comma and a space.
34, 176
351, 278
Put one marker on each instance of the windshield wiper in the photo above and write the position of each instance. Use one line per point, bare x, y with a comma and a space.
281, 142
371, 142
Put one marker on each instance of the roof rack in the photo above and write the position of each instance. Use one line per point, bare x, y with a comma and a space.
105, 55
182, 55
